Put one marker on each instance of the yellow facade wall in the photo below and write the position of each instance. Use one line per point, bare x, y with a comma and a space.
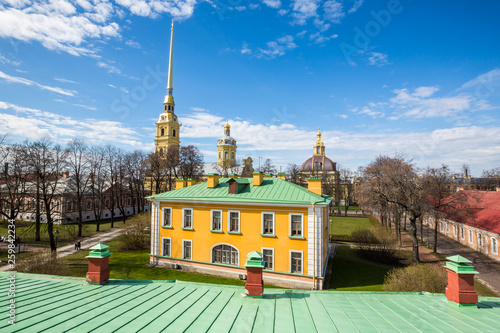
249, 240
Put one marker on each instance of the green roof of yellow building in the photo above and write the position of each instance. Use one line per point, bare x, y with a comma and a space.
58, 304
272, 190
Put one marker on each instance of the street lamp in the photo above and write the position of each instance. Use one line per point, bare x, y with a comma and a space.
56, 233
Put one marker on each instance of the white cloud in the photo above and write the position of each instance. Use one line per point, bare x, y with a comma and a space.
72, 26
477, 144
35, 124
355, 7
7, 61
302, 10
319, 38
253, 6
109, 68
282, 12
240, 8
27, 82
272, 3
133, 44
278, 47
333, 11
487, 80
343, 116
198, 109
377, 59
64, 80
245, 49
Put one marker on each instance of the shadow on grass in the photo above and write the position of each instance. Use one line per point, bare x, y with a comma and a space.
350, 272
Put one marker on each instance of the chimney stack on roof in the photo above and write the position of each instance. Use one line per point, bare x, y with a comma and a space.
258, 178
212, 180
98, 259
255, 285
282, 175
180, 183
314, 185
460, 287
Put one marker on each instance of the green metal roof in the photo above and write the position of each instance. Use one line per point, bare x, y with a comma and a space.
56, 304
272, 190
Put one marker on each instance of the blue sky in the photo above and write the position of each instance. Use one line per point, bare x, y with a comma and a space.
378, 77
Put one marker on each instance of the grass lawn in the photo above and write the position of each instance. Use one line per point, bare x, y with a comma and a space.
341, 227
351, 272
67, 233
132, 265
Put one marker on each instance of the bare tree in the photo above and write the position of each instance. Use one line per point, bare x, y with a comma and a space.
48, 161
13, 180
190, 162
78, 165
98, 180
268, 167
344, 187
157, 172
135, 172
111, 153
293, 173
442, 200
395, 181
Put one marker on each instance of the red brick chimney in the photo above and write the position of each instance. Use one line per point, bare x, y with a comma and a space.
98, 264
255, 285
460, 287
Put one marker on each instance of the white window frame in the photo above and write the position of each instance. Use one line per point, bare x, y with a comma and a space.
229, 220
183, 218
163, 239
262, 223
212, 219
290, 261
494, 249
183, 246
441, 226
271, 249
462, 233
479, 240
212, 254
163, 217
471, 239
447, 227
455, 231
301, 224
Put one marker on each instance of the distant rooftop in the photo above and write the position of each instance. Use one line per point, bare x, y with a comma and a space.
61, 304
272, 190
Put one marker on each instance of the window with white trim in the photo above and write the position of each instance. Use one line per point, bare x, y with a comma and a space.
187, 218
480, 240
454, 230
494, 245
268, 223
447, 227
166, 247
471, 240
268, 257
217, 220
225, 254
167, 217
442, 226
296, 225
89, 204
296, 262
234, 221
462, 233
187, 249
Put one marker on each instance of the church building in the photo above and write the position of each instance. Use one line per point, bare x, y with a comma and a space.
168, 126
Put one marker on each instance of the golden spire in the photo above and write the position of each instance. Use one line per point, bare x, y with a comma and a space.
319, 147
227, 126
319, 135
170, 98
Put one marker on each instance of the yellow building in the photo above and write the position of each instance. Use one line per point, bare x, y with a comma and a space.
226, 149
168, 126
210, 228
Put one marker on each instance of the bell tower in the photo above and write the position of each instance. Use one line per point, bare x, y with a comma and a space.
168, 126
319, 146
226, 149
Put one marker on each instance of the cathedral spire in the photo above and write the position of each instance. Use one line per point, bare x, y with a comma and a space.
170, 98
319, 146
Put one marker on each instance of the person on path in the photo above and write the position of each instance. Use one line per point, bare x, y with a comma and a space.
76, 245
79, 246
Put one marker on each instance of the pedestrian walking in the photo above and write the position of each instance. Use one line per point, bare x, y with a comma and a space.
76, 245
79, 245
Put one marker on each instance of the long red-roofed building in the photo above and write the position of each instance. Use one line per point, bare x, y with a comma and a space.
481, 232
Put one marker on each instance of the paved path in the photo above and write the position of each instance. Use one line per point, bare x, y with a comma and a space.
66, 250
489, 269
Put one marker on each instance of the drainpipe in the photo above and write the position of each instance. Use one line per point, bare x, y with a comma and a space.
153, 215
314, 246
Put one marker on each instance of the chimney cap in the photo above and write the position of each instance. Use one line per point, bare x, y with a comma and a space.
213, 174
314, 178
460, 265
254, 259
257, 173
99, 251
